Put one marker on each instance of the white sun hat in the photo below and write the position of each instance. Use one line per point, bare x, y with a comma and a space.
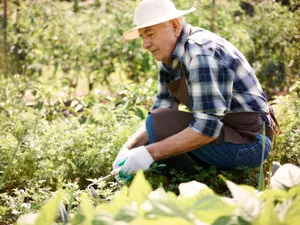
151, 12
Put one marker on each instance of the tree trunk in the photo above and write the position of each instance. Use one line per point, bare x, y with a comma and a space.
5, 61
76, 8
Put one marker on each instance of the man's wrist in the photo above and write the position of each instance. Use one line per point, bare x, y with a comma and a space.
154, 154
126, 147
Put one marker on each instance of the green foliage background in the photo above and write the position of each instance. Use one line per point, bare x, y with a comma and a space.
52, 39
287, 148
72, 91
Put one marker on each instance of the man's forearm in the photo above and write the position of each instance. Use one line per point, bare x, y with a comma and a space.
179, 143
138, 139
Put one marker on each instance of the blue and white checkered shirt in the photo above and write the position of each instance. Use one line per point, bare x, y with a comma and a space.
218, 77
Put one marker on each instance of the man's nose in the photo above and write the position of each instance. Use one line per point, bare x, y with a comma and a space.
146, 43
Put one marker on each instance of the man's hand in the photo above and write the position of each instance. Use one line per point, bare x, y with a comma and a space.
138, 158
122, 155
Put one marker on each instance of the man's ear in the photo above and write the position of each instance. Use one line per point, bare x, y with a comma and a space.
176, 27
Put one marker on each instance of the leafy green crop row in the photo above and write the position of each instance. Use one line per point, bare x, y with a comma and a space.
48, 142
41, 154
196, 204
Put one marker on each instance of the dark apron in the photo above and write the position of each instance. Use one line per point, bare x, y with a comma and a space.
238, 128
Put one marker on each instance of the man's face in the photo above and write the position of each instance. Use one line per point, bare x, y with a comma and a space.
160, 40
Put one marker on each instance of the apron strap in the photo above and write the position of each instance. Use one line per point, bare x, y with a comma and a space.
276, 127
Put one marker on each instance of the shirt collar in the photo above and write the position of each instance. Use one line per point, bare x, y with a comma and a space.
179, 50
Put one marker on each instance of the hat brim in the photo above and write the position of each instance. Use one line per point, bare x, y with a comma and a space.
134, 33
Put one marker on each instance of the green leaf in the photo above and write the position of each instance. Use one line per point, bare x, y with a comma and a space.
287, 176
163, 221
282, 208
223, 220
191, 192
209, 208
245, 196
167, 204
127, 213
268, 215
274, 195
294, 192
86, 209
78, 219
48, 212
104, 219
139, 188
126, 205
119, 201
120, 208
292, 215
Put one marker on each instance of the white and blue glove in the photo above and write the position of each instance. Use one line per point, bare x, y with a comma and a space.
122, 155
138, 158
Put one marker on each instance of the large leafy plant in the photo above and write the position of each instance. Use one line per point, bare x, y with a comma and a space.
196, 204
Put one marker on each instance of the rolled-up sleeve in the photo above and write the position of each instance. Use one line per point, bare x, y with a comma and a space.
210, 89
206, 125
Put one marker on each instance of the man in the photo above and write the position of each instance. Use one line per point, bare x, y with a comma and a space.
201, 70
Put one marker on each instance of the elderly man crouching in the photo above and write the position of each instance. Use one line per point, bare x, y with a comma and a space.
213, 79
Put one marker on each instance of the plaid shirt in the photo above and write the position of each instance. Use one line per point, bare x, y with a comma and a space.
218, 77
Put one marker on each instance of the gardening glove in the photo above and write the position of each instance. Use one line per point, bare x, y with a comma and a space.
122, 155
122, 177
138, 158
